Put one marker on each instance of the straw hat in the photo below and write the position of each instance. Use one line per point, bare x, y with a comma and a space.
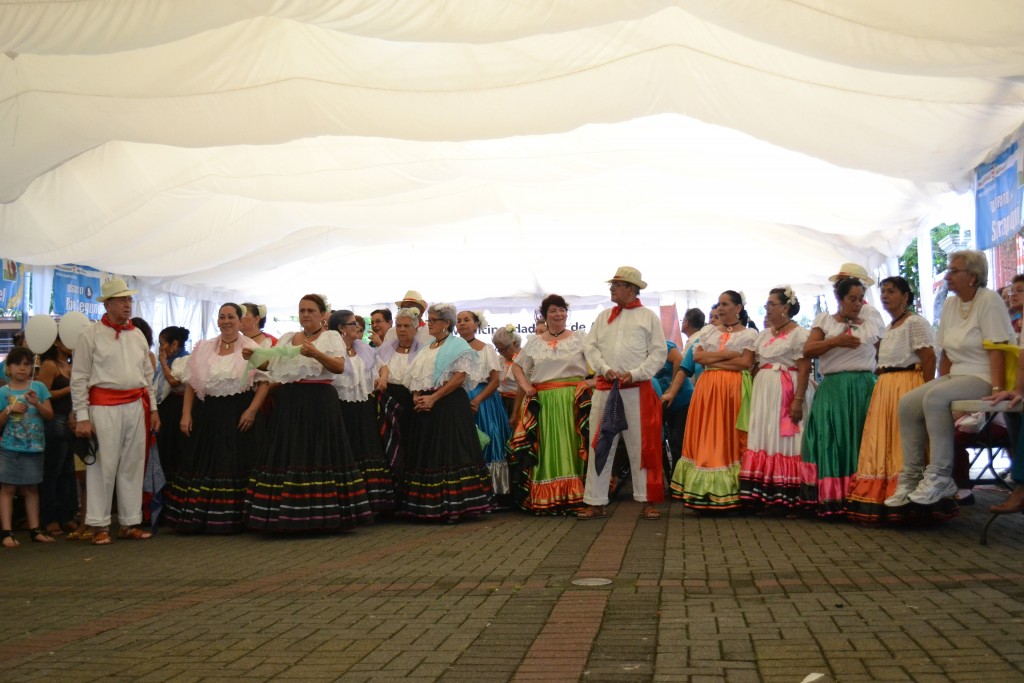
113, 288
412, 297
853, 270
630, 275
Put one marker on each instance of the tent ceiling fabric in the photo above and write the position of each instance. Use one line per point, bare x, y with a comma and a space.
507, 148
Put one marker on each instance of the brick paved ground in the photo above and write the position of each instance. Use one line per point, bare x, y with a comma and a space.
691, 598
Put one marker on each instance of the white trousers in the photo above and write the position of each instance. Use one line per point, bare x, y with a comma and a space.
596, 490
120, 462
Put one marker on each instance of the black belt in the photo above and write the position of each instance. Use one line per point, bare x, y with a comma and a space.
882, 371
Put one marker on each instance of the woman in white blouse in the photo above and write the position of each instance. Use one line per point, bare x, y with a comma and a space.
906, 360
359, 410
508, 344
967, 370
307, 478
770, 470
395, 355
172, 358
548, 442
491, 419
847, 346
444, 477
223, 429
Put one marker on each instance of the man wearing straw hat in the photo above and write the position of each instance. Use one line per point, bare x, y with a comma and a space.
413, 299
626, 345
113, 399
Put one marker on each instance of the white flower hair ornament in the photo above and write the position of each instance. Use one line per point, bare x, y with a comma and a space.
481, 321
743, 298
790, 295
510, 328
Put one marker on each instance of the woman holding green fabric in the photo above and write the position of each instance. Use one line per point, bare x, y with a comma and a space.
306, 478
548, 442
444, 478
707, 475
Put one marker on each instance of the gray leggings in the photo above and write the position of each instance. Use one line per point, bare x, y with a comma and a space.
927, 421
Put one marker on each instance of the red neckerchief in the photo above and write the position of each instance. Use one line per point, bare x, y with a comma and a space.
618, 309
117, 328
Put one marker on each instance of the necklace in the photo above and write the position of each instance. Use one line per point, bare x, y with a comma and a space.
403, 349
729, 326
470, 341
780, 328
310, 335
964, 315
902, 316
351, 351
556, 334
253, 336
437, 343
227, 344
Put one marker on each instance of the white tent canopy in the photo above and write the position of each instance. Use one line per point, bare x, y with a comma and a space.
492, 149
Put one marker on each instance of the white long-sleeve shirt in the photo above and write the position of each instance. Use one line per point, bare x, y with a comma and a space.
633, 343
103, 360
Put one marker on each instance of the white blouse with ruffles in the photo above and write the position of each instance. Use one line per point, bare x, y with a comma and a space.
781, 351
899, 345
489, 360
353, 385
421, 372
285, 370
543, 361
859, 359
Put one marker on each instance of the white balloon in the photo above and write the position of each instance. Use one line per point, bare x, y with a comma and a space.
40, 333
71, 325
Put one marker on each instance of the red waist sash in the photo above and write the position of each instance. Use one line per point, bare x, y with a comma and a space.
103, 396
650, 434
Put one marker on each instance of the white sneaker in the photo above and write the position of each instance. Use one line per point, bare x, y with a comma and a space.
901, 496
932, 489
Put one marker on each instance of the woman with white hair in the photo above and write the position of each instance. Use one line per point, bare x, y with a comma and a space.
967, 371
508, 344
444, 477
491, 419
395, 357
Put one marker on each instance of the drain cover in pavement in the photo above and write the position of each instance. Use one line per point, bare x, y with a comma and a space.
591, 582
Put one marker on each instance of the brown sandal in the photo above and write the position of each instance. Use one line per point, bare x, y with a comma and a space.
101, 537
82, 533
650, 513
133, 533
591, 512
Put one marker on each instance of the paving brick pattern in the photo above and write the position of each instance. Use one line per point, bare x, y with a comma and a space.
691, 598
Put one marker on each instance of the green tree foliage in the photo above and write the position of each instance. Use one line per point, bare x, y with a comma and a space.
909, 267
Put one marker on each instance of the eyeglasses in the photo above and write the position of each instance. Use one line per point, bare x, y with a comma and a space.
435, 320
769, 304
954, 271
613, 285
354, 322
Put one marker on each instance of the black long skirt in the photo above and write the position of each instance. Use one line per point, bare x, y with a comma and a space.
361, 424
169, 440
307, 478
445, 477
208, 493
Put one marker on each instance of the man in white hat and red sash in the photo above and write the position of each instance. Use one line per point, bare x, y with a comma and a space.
627, 344
113, 398
413, 299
